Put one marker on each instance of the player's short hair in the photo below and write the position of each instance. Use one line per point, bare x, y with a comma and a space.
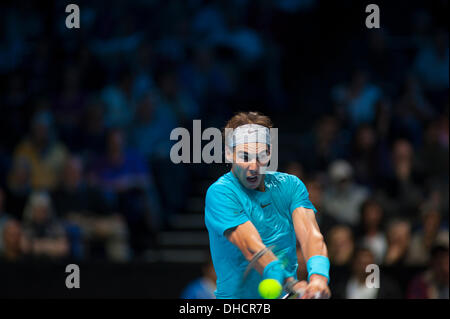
242, 118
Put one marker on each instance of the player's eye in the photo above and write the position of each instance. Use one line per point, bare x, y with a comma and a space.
243, 157
263, 157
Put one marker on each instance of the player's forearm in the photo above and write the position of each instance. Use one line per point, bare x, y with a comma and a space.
247, 239
251, 247
308, 233
314, 245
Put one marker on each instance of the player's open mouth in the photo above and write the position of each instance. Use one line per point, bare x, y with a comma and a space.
252, 179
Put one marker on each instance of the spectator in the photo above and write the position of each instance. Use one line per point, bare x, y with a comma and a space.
46, 234
433, 155
371, 232
383, 121
143, 64
399, 240
203, 287
18, 187
5, 162
387, 65
421, 24
365, 156
383, 130
176, 40
119, 103
400, 193
4, 216
438, 198
69, 106
344, 197
209, 21
93, 134
356, 101
77, 202
44, 153
151, 130
246, 42
442, 123
340, 245
170, 108
122, 39
15, 245
14, 109
355, 287
173, 98
128, 187
412, 110
90, 68
204, 79
431, 63
327, 143
431, 231
433, 283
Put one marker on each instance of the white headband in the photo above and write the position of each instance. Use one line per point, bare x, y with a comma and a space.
249, 133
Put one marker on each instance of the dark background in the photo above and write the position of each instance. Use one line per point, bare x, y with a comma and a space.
70, 98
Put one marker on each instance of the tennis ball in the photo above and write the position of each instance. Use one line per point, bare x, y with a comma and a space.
270, 288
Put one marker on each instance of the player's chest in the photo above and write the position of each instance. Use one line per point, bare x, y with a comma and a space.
267, 215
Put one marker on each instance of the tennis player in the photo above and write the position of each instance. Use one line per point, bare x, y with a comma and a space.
254, 219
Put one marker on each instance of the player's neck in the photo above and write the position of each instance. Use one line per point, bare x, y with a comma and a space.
262, 186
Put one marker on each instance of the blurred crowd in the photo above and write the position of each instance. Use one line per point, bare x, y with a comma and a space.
86, 117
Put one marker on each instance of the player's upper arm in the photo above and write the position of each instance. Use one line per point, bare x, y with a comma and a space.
246, 238
307, 232
299, 195
224, 215
305, 224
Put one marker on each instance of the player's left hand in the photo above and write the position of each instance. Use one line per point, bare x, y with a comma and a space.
317, 288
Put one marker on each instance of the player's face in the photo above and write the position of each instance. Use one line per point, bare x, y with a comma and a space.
247, 161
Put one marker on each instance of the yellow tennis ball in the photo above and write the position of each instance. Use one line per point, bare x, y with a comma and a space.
270, 288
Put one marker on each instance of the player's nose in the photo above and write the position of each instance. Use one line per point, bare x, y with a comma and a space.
253, 166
